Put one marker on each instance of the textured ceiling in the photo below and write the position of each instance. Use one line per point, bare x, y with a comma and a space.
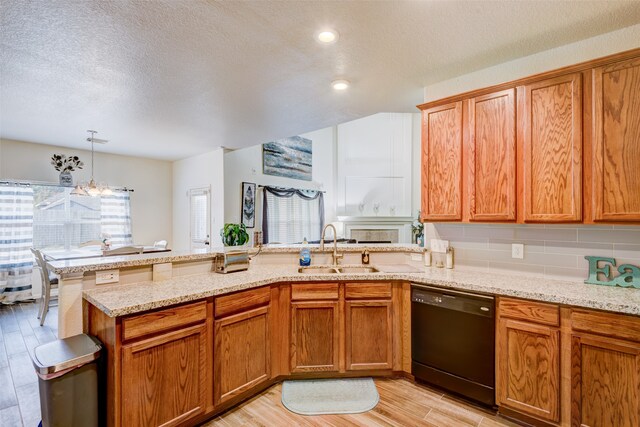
169, 79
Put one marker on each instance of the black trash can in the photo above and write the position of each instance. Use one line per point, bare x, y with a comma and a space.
68, 380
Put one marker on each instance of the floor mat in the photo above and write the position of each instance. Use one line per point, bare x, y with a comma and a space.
336, 396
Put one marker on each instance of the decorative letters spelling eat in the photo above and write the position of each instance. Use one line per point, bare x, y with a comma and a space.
629, 274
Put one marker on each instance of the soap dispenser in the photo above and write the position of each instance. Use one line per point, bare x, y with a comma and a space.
305, 254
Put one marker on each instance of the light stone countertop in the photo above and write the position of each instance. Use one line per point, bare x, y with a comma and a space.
82, 265
121, 300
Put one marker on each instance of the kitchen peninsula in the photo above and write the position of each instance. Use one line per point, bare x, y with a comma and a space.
242, 332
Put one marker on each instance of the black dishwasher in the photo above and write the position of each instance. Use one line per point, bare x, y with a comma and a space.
452, 341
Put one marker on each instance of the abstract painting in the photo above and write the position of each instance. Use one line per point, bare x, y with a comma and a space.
289, 157
249, 204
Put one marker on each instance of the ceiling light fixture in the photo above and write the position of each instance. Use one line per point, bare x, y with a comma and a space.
92, 189
327, 36
340, 85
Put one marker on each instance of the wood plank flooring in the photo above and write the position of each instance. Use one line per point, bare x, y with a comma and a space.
20, 333
402, 403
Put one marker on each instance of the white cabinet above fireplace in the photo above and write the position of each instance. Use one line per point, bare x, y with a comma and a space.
374, 166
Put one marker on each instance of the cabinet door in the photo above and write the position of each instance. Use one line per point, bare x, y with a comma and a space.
315, 336
491, 157
616, 142
164, 378
552, 150
442, 163
605, 375
528, 369
242, 351
368, 335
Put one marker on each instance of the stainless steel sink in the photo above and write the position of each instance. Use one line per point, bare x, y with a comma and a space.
317, 269
357, 269
323, 269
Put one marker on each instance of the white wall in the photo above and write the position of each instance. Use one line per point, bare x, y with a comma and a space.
151, 202
245, 165
205, 170
606, 44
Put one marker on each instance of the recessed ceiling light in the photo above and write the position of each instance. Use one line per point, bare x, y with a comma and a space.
327, 36
340, 84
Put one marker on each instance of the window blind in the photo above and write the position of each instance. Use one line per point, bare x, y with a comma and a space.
199, 212
291, 215
16, 238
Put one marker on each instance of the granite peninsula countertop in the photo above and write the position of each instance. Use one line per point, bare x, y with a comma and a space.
112, 262
132, 298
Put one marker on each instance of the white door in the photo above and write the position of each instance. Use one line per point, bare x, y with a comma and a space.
200, 214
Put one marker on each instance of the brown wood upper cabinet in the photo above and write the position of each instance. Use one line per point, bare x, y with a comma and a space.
551, 131
442, 163
616, 142
491, 156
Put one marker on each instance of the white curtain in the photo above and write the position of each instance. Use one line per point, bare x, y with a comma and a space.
16, 239
115, 218
290, 215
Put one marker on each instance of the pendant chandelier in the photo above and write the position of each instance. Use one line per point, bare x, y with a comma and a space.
91, 189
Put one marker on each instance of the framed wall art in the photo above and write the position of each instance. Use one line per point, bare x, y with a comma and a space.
289, 157
248, 214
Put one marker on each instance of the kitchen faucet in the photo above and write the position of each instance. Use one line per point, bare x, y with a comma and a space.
335, 255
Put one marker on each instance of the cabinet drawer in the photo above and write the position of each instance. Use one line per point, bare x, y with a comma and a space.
531, 311
163, 320
234, 303
608, 324
314, 291
367, 290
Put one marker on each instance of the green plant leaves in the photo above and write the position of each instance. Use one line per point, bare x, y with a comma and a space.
234, 234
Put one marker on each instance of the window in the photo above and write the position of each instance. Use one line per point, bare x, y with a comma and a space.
61, 220
291, 215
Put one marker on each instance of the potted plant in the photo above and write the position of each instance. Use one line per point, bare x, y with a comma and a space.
234, 234
65, 165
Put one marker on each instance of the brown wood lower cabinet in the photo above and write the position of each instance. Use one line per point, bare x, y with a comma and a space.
164, 378
528, 358
528, 368
315, 336
182, 364
241, 354
368, 326
605, 385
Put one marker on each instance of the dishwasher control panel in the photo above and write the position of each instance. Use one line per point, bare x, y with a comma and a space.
470, 303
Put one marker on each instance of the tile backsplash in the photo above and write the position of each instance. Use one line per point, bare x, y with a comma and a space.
552, 251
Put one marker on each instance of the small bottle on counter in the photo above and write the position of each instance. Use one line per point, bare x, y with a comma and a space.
427, 258
449, 257
305, 254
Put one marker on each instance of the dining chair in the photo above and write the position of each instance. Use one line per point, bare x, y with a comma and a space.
49, 282
161, 244
124, 250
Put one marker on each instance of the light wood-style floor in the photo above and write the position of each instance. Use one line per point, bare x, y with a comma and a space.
20, 333
402, 403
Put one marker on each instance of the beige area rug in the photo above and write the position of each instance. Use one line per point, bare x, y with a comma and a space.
338, 396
